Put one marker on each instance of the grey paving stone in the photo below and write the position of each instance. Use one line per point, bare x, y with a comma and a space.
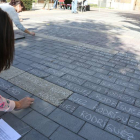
10, 73
112, 113
71, 122
79, 89
40, 123
133, 93
21, 127
91, 132
99, 70
24, 61
103, 98
38, 73
113, 86
68, 106
80, 64
55, 72
65, 64
105, 77
134, 122
127, 84
84, 101
52, 65
96, 87
42, 107
64, 134
41, 88
4, 94
129, 109
94, 64
135, 81
90, 78
122, 131
91, 117
120, 76
56, 80
70, 71
137, 102
103, 62
34, 135
120, 96
39, 66
5, 84
23, 67
17, 92
73, 79
64, 59
86, 71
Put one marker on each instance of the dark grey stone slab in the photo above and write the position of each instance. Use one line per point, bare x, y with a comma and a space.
52, 65
39, 66
79, 89
10, 73
134, 122
120, 76
5, 84
38, 73
103, 98
122, 131
65, 64
18, 36
93, 63
99, 70
71, 122
129, 109
86, 71
25, 61
64, 134
23, 67
80, 64
133, 93
127, 84
34, 135
91, 132
122, 97
90, 78
21, 127
40, 123
112, 86
105, 77
68, 106
112, 113
137, 102
135, 81
84, 101
73, 79
56, 80
91, 117
96, 87
41, 88
55, 72
42, 107
70, 71
17, 92
4, 94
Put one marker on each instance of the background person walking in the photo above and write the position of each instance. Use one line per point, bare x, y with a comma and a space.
46, 2
74, 6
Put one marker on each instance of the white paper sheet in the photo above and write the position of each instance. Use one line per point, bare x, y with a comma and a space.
7, 132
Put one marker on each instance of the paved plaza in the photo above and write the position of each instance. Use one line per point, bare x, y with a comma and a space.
83, 70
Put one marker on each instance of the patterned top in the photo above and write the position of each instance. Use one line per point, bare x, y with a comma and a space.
6, 105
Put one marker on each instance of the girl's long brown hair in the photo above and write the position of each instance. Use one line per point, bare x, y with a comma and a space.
6, 41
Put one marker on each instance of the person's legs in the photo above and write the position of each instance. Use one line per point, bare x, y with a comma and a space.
45, 2
54, 5
73, 4
48, 4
